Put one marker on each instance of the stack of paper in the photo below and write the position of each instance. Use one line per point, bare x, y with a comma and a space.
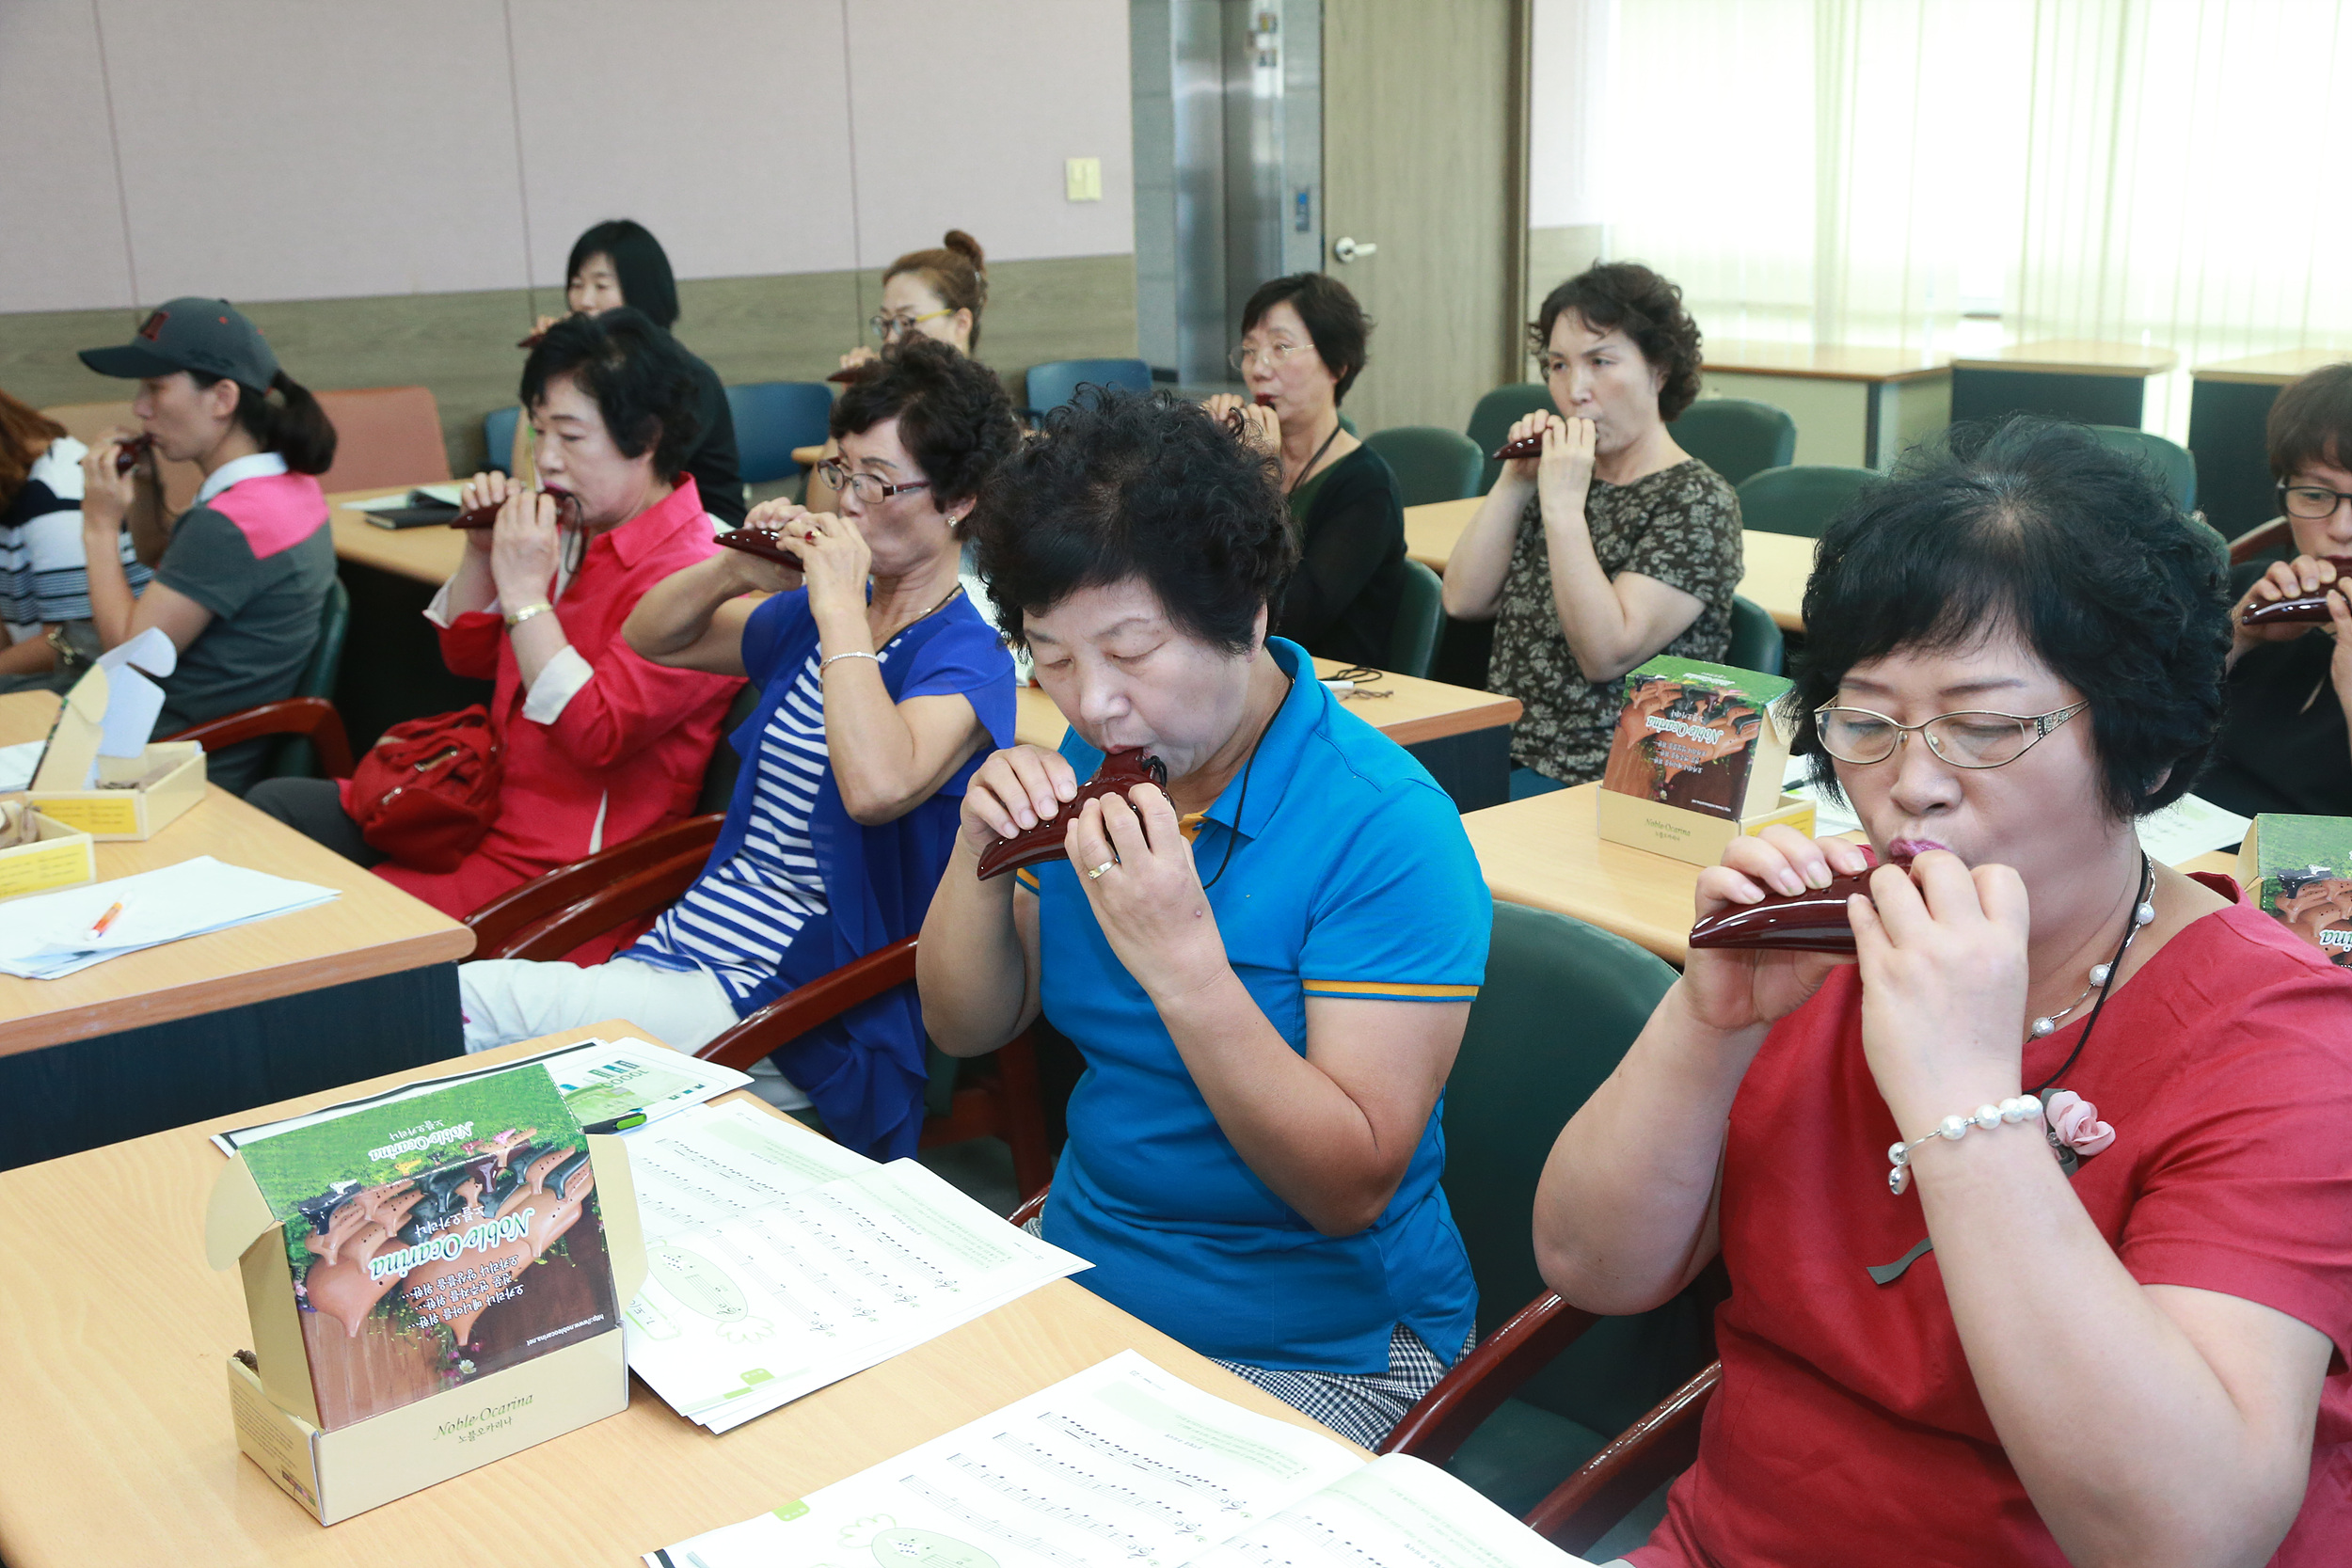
17, 763
1124, 1462
51, 934
778, 1263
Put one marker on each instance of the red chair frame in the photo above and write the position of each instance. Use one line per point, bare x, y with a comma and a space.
313, 718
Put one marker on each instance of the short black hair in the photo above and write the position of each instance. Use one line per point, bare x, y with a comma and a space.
1127, 485
1337, 324
2036, 524
1628, 296
637, 260
2311, 421
635, 373
954, 418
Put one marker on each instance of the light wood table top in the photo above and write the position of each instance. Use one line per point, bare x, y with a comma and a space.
373, 928
1416, 710
1548, 852
429, 555
118, 1336
1823, 362
2271, 369
2074, 356
808, 457
1777, 563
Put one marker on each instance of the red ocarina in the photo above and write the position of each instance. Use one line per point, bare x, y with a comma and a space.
532, 342
1813, 921
1526, 446
851, 372
766, 542
1120, 772
568, 511
128, 454
2311, 609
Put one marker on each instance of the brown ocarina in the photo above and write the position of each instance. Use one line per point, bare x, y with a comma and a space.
1120, 772
2310, 609
1813, 921
532, 342
1526, 446
128, 454
568, 511
766, 542
850, 374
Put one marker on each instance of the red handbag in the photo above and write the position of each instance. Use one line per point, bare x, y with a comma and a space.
428, 789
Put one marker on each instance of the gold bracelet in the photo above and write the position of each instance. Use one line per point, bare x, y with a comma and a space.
517, 617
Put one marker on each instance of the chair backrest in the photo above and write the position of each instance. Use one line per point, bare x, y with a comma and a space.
296, 758
1755, 639
771, 418
718, 791
1801, 501
1431, 465
2176, 470
1562, 1002
87, 422
1420, 621
1053, 384
383, 436
498, 436
1736, 437
1492, 419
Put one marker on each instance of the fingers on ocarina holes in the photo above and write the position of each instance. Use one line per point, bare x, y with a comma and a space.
1526, 446
1034, 846
2303, 610
766, 542
1814, 921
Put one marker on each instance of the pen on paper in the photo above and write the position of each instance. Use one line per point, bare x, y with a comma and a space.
98, 926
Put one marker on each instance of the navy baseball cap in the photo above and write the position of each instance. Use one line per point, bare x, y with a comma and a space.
210, 336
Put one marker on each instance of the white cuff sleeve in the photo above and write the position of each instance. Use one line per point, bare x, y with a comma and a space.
556, 685
438, 612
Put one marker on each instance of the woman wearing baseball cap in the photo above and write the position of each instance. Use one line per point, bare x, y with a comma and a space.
242, 576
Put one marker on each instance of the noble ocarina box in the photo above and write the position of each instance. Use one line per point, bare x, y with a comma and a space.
447, 1296
1696, 760
135, 798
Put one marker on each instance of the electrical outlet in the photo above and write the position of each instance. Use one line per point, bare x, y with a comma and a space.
1081, 178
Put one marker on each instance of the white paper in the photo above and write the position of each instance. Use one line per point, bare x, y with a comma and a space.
48, 935
718, 1163
133, 700
2190, 827
1830, 818
17, 763
1125, 1463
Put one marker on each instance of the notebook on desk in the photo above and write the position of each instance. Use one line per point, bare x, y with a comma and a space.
425, 507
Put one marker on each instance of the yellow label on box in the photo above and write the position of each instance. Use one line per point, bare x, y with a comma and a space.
120, 816
39, 868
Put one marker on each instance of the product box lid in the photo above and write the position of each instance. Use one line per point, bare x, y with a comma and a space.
1705, 737
2298, 871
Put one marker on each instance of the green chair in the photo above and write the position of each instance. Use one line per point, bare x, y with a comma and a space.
1431, 465
1562, 1002
1755, 639
1801, 501
296, 758
1737, 437
1420, 620
1496, 413
2175, 469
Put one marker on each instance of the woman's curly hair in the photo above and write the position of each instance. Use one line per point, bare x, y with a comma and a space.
954, 419
1627, 295
2039, 525
640, 379
1121, 485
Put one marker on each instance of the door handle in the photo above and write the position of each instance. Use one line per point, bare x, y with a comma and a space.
1347, 249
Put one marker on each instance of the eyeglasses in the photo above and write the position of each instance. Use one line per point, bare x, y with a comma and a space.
1970, 738
867, 488
888, 328
1274, 354
2310, 503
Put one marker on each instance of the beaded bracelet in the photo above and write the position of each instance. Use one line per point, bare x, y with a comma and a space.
2017, 1108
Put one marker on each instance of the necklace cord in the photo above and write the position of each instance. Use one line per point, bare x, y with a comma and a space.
2106, 988
1233, 830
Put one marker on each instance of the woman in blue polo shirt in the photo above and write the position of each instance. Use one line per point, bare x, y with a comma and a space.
1267, 965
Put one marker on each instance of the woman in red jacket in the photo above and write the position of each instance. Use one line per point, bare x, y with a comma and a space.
599, 745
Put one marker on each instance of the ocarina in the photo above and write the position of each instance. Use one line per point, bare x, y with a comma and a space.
568, 511
1813, 921
2310, 609
766, 542
850, 373
1526, 446
1238, 422
532, 342
128, 454
1120, 772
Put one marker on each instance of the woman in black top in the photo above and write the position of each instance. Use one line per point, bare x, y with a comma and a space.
620, 263
2288, 746
1302, 346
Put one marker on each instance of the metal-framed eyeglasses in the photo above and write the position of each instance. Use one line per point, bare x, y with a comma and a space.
867, 488
889, 328
2313, 504
1972, 738
1276, 353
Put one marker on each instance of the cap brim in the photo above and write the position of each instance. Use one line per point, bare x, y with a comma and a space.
130, 361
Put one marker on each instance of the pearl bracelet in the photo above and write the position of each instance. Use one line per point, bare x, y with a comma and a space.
824, 664
2024, 1107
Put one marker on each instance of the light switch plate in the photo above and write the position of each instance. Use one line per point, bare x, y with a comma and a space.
1081, 178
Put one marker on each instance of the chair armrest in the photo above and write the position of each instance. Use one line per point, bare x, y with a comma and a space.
1663, 1443
499, 923
824, 998
313, 718
1031, 1207
1476, 1386
2274, 534
643, 892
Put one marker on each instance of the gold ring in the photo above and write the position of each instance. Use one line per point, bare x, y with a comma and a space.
1100, 870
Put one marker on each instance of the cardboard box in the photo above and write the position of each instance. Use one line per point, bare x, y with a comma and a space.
1703, 737
1698, 837
56, 856
118, 813
339, 1472
2298, 871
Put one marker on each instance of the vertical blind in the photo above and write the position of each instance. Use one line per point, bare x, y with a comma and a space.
1956, 174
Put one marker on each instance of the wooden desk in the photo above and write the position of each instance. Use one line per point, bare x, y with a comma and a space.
808, 457
200, 1026
1548, 852
1855, 406
392, 669
426, 555
1461, 735
1778, 564
2229, 403
117, 1388
2096, 383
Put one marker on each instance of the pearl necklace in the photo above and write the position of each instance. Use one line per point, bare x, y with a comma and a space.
2143, 914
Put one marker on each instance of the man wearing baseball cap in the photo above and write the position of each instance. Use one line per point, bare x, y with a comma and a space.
240, 576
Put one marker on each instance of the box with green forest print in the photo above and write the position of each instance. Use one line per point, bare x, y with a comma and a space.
2299, 870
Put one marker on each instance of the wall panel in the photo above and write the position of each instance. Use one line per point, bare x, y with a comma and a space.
61, 240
